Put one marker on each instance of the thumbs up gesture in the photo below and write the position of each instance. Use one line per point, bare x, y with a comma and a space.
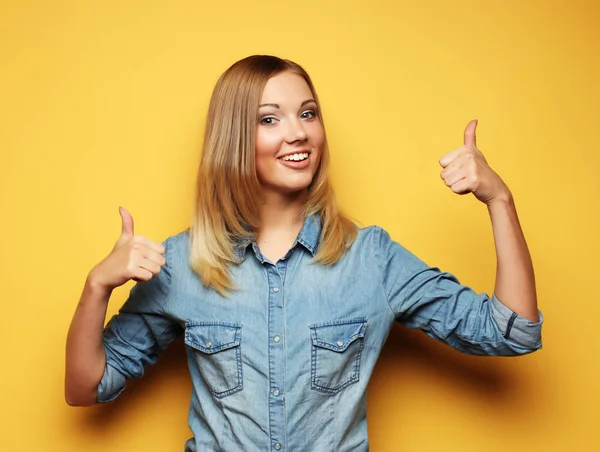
467, 171
133, 257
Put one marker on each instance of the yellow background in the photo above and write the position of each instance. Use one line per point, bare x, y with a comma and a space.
102, 104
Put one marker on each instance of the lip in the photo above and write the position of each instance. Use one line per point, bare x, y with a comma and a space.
296, 165
299, 151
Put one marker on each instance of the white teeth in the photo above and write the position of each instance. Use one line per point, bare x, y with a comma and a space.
296, 157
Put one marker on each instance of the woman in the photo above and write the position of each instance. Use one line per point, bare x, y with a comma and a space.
283, 302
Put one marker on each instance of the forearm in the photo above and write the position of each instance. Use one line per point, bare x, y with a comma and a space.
85, 357
515, 281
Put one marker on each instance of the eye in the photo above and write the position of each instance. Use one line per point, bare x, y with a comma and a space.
268, 120
309, 114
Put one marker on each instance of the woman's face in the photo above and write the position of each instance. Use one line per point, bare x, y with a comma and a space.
289, 135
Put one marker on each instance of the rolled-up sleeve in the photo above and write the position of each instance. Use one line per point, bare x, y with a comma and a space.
423, 297
517, 328
141, 330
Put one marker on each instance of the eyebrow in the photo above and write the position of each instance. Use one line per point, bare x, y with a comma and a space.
308, 101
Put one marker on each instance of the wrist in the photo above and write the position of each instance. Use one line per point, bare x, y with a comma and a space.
95, 286
504, 198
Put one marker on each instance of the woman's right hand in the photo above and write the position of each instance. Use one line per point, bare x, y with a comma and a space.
133, 257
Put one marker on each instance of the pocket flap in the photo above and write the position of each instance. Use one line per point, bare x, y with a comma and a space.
212, 337
337, 335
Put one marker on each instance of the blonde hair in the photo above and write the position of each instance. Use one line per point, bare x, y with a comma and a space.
228, 190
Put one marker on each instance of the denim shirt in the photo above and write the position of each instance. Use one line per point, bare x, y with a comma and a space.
284, 363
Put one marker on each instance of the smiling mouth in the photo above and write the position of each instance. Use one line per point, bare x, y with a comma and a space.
298, 157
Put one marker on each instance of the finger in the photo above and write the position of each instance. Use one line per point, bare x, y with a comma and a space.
154, 246
455, 165
145, 242
142, 275
470, 136
453, 177
154, 257
150, 266
126, 225
462, 186
126, 222
452, 156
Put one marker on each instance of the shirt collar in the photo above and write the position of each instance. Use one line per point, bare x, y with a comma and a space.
308, 237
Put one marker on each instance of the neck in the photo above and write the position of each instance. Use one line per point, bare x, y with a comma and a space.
281, 211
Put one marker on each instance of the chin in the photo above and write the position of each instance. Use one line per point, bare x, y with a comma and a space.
296, 190
300, 186
288, 190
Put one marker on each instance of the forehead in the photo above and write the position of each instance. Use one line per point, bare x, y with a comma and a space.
286, 87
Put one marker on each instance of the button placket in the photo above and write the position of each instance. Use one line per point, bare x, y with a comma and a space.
276, 356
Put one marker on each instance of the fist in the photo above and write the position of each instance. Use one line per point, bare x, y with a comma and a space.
133, 257
467, 171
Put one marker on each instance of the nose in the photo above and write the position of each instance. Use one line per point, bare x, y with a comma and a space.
296, 131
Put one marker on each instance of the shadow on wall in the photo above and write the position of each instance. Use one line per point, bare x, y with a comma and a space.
410, 361
411, 351
490, 381
169, 375
491, 386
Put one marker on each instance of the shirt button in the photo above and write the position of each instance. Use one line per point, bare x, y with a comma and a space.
340, 343
208, 344
277, 446
276, 338
276, 392
275, 289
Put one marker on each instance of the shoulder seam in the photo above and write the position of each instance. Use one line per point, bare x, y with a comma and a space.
377, 233
170, 265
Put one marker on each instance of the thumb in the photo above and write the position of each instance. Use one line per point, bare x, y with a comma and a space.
470, 138
126, 225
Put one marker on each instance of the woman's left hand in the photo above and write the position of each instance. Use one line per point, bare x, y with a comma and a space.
467, 171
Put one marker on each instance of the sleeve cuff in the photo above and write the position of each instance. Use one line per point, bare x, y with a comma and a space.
111, 385
515, 328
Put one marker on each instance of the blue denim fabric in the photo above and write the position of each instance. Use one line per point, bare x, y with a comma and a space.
284, 363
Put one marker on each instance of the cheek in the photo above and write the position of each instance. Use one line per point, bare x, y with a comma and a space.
317, 134
266, 144
264, 150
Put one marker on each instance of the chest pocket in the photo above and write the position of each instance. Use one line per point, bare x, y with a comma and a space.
335, 354
216, 348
